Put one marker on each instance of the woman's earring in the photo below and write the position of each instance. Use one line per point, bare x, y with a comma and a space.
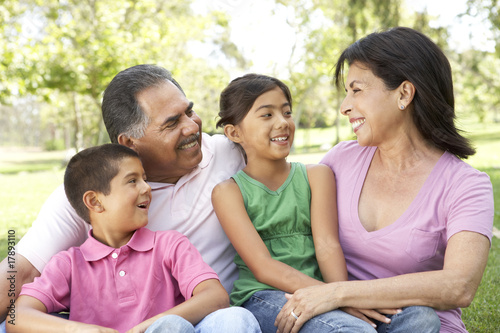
402, 107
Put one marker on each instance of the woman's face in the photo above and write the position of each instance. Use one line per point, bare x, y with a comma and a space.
374, 112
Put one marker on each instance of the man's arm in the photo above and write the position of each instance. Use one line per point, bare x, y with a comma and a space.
56, 228
11, 282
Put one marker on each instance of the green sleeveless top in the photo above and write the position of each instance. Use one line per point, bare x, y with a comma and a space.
283, 220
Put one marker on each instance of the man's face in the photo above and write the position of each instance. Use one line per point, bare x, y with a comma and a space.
171, 145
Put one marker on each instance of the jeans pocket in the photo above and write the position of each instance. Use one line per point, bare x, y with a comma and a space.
422, 245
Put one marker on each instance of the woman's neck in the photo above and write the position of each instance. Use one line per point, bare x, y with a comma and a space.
407, 153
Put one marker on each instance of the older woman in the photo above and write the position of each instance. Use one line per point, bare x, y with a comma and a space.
415, 221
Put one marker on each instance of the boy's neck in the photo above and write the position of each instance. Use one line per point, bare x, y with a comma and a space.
111, 238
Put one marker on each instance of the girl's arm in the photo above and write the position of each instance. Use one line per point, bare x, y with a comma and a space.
31, 316
208, 296
230, 209
324, 223
453, 286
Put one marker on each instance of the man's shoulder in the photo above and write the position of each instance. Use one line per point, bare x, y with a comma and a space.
217, 142
223, 149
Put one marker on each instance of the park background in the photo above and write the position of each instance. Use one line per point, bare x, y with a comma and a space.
57, 56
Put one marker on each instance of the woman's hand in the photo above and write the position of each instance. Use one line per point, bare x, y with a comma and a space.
309, 302
305, 303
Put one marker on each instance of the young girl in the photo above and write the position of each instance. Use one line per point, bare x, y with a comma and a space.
278, 215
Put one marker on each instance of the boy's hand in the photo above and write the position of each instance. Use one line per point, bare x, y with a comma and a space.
98, 329
78, 327
141, 328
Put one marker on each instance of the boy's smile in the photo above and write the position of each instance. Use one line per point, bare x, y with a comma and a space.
125, 208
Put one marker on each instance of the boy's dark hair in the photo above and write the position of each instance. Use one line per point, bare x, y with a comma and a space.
400, 54
93, 169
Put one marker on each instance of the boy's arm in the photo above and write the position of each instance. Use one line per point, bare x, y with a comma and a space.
208, 296
31, 316
324, 223
230, 209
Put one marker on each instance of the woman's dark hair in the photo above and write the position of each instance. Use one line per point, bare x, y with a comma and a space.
93, 169
400, 54
238, 97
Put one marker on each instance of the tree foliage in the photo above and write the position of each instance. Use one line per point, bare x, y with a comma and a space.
57, 56
66, 52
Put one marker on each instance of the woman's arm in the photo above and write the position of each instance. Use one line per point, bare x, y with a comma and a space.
31, 316
324, 223
230, 209
453, 286
208, 296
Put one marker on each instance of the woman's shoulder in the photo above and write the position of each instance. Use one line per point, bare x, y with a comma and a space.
344, 150
458, 173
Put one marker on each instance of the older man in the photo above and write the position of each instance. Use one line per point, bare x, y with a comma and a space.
145, 109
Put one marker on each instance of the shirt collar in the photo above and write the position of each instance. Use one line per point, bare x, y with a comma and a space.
142, 240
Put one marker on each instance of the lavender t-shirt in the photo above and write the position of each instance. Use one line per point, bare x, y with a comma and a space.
454, 198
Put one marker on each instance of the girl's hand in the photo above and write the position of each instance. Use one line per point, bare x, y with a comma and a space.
366, 314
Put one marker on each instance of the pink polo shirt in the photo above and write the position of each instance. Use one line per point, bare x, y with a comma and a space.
185, 206
454, 198
120, 288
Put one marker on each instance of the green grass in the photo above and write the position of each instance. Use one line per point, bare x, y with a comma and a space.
25, 191
21, 200
13, 161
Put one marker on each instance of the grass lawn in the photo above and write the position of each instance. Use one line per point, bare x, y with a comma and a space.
28, 178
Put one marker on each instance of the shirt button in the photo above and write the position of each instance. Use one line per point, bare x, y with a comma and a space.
114, 255
122, 273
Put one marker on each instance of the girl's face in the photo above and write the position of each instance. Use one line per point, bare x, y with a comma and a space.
268, 128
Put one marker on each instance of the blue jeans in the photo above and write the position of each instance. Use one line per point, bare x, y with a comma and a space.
266, 304
412, 319
230, 320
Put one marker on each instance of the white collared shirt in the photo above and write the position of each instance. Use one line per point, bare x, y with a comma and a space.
185, 206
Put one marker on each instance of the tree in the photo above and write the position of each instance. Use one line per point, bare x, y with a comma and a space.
323, 29
74, 48
482, 69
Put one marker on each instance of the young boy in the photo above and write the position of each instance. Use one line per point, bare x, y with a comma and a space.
124, 277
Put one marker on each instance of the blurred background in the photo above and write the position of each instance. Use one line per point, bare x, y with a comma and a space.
57, 56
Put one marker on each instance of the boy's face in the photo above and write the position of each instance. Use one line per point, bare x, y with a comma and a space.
126, 206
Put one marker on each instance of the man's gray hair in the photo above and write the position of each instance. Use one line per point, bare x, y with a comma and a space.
121, 111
